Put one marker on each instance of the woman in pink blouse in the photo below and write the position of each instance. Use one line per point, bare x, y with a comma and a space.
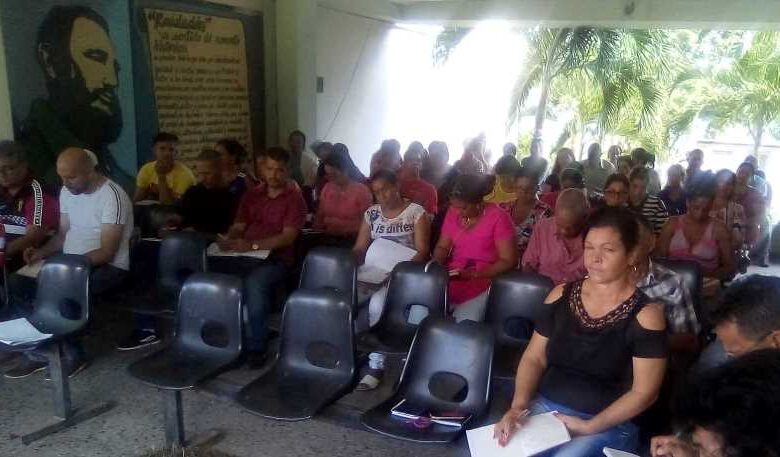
342, 201
477, 243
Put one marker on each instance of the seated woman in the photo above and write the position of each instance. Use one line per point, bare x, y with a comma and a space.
752, 201
624, 165
503, 193
699, 237
477, 243
598, 357
673, 195
391, 219
527, 208
726, 209
616, 191
571, 178
342, 201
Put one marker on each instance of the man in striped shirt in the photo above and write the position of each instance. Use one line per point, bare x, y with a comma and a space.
649, 206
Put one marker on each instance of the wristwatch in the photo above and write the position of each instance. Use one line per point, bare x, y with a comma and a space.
255, 247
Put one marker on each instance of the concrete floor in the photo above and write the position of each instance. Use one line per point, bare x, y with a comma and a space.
134, 425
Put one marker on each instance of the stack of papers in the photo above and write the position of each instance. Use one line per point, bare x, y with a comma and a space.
382, 256
31, 270
609, 452
538, 434
17, 332
214, 251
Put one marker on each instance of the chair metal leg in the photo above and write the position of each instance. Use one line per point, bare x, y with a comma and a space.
62, 404
174, 418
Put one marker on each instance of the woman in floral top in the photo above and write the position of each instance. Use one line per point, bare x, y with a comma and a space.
527, 208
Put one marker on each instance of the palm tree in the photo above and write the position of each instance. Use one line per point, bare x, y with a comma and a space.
748, 92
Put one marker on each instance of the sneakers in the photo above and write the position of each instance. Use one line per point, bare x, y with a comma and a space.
71, 368
138, 339
24, 368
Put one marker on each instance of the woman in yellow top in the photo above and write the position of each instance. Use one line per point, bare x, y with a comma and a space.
165, 179
504, 194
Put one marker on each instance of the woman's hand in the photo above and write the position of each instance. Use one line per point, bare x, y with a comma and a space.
670, 446
509, 424
576, 425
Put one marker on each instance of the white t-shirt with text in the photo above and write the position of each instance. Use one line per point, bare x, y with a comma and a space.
399, 229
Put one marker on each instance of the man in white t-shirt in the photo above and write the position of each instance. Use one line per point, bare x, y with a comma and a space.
96, 221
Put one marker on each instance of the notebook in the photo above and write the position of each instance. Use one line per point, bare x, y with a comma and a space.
540, 433
609, 452
214, 251
20, 331
382, 256
409, 411
31, 270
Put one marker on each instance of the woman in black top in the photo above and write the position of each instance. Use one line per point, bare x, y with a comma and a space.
598, 358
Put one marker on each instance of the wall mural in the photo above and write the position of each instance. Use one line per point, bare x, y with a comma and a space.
74, 57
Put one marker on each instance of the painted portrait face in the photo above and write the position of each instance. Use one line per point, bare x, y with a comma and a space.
93, 55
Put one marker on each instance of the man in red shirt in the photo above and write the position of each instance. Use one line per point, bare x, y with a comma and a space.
412, 187
270, 217
28, 213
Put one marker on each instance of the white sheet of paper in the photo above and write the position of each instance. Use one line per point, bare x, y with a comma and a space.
384, 255
32, 270
20, 331
214, 251
540, 432
609, 452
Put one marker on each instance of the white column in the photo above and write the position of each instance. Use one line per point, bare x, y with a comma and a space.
296, 72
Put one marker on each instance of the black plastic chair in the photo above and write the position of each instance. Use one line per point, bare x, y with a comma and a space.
333, 268
207, 339
692, 277
455, 359
515, 301
61, 308
411, 283
181, 255
316, 361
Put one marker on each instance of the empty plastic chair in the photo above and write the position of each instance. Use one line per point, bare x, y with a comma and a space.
448, 370
181, 255
330, 267
207, 338
691, 275
515, 302
316, 361
415, 291
61, 308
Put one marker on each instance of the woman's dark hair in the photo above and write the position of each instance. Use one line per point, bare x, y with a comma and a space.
337, 161
471, 188
740, 402
527, 173
616, 177
507, 166
622, 220
339, 158
554, 182
574, 175
234, 149
704, 185
386, 176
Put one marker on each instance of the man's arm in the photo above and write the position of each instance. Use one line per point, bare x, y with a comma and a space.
166, 194
35, 236
110, 239
53, 246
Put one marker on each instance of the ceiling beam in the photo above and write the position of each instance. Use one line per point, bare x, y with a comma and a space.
383, 10
709, 14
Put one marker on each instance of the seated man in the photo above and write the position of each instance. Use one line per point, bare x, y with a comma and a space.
165, 179
414, 188
269, 217
29, 213
664, 286
208, 207
555, 248
96, 221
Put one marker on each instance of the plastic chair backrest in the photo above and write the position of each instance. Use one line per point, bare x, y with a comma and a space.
62, 299
462, 351
411, 284
317, 338
181, 255
516, 296
209, 320
330, 267
690, 273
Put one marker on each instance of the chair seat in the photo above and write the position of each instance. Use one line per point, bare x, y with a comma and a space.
381, 421
286, 396
176, 369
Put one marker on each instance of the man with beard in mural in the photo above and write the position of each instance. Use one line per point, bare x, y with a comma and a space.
81, 70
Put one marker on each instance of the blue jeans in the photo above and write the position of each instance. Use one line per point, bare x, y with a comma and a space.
260, 278
623, 437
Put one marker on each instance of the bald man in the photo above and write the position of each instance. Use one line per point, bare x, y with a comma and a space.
96, 221
555, 248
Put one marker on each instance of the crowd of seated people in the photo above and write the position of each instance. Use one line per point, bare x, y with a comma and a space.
595, 228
